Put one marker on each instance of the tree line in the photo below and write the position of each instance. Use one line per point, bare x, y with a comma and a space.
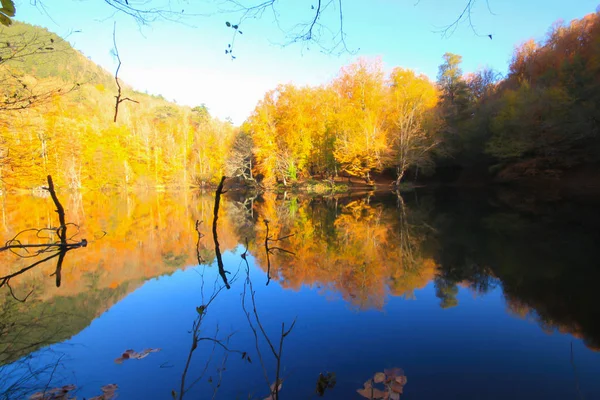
540, 120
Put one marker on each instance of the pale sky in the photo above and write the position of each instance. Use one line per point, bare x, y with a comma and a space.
185, 61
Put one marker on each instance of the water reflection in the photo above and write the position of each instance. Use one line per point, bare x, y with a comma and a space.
368, 251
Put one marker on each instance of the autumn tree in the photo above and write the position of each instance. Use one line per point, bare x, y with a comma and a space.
361, 139
239, 162
412, 120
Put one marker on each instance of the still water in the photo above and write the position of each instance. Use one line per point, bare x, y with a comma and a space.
474, 295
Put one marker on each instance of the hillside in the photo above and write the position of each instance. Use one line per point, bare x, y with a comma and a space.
57, 118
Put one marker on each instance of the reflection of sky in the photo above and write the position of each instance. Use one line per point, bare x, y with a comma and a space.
475, 350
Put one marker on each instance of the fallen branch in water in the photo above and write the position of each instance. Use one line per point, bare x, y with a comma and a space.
59, 248
218, 194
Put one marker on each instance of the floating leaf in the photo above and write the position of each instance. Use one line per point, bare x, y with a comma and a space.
372, 393
396, 387
401, 380
127, 354
325, 382
379, 377
394, 372
108, 392
272, 395
61, 393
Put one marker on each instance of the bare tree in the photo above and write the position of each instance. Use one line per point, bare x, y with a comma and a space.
239, 162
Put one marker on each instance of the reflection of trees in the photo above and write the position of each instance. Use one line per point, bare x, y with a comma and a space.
543, 257
355, 247
43, 243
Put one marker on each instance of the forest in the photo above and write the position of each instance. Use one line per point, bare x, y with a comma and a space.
540, 121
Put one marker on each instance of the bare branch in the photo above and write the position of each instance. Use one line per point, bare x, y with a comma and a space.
61, 247
277, 353
218, 193
269, 250
118, 99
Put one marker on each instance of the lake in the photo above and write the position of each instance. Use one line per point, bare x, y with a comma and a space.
473, 294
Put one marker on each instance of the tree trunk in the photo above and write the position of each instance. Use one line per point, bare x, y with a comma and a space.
400, 174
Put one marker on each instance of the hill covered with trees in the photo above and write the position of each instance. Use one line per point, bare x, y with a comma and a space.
57, 109
539, 122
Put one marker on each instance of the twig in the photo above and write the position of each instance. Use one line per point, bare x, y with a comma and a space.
62, 247
575, 372
118, 99
269, 250
277, 354
61, 231
200, 236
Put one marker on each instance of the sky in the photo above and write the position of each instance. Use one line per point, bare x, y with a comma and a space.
185, 61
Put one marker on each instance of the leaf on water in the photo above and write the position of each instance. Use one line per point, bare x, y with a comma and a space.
108, 392
278, 388
379, 377
128, 354
396, 387
393, 381
401, 380
325, 382
372, 393
61, 393
272, 395
394, 372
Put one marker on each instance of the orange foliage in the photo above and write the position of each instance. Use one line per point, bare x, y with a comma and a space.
358, 251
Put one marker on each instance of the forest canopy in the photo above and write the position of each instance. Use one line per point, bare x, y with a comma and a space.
540, 120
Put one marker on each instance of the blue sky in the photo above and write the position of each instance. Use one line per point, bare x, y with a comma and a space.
185, 61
